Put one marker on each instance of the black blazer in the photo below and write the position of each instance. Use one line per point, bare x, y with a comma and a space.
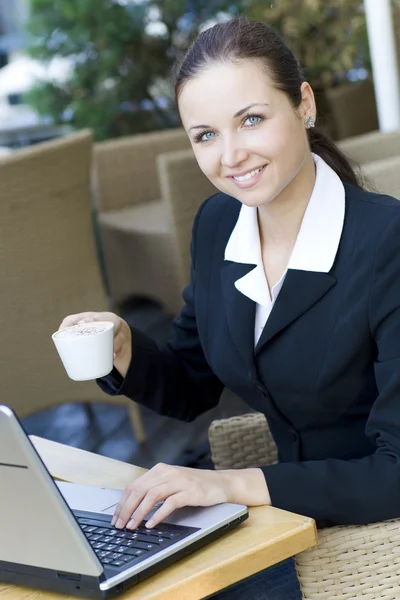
325, 372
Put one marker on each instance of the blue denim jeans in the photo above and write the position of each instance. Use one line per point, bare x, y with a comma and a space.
276, 583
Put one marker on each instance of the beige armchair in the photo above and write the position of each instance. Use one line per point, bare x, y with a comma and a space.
146, 203
48, 269
384, 175
369, 147
349, 562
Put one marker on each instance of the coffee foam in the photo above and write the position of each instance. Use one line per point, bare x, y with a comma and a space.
82, 330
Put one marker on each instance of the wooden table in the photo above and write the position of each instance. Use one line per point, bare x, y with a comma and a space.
267, 537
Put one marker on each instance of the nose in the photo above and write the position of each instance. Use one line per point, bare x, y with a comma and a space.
232, 154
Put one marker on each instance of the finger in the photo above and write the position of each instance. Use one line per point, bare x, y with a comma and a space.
156, 494
119, 341
120, 505
155, 476
131, 504
140, 486
172, 503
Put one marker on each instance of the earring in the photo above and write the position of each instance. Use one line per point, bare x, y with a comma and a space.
310, 122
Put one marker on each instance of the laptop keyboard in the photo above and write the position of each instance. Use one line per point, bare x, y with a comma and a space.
124, 547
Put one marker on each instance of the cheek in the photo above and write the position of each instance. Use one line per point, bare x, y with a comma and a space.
208, 160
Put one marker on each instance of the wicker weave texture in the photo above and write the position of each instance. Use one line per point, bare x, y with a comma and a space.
350, 562
49, 269
242, 442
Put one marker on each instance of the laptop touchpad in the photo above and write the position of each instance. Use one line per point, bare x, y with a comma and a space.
90, 498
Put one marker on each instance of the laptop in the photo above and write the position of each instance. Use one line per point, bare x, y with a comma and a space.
58, 535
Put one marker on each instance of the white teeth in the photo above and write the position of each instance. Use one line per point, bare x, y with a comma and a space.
248, 175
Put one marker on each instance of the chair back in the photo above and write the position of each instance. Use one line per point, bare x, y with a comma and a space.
125, 169
183, 188
48, 268
242, 442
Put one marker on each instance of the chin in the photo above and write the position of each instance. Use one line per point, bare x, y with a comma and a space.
254, 199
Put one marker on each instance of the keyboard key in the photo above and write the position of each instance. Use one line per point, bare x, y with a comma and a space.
98, 545
134, 552
107, 539
148, 539
117, 563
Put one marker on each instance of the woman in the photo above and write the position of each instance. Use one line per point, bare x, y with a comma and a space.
293, 302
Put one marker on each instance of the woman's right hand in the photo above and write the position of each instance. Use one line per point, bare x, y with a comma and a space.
122, 335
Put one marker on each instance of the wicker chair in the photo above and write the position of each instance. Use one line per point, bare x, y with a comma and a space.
384, 175
48, 269
369, 147
349, 562
137, 246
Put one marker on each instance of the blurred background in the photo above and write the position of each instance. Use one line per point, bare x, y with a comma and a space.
105, 64
89, 135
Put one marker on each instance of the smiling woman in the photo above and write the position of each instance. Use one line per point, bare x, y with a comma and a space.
293, 304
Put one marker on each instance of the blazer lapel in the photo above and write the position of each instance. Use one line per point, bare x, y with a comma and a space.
300, 290
239, 310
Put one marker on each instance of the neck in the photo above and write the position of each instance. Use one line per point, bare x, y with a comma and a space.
279, 221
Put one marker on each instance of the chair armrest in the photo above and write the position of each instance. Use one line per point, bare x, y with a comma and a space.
242, 442
357, 561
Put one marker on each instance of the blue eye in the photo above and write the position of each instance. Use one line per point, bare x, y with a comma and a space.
252, 120
204, 136
208, 135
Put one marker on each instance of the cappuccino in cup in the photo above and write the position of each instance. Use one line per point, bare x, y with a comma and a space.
86, 349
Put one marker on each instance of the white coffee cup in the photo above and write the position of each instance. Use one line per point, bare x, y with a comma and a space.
86, 349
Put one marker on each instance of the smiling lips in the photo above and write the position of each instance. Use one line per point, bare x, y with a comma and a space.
248, 179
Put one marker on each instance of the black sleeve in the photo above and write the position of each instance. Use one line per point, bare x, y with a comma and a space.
362, 490
175, 380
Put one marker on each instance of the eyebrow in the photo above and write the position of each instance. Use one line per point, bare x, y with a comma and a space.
238, 114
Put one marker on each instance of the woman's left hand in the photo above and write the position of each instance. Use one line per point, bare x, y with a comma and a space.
183, 486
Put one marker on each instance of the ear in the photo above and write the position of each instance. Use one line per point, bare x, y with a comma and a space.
307, 106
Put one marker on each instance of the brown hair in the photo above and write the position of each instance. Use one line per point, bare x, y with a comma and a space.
242, 38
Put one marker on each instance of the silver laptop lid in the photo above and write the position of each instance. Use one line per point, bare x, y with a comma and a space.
36, 526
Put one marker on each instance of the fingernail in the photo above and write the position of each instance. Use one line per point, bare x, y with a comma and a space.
149, 524
131, 524
114, 520
119, 523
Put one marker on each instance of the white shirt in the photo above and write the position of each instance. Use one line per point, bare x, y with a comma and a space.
314, 250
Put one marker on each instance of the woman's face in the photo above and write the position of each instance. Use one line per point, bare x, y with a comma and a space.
247, 137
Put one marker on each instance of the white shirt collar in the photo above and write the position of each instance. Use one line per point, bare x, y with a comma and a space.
317, 241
